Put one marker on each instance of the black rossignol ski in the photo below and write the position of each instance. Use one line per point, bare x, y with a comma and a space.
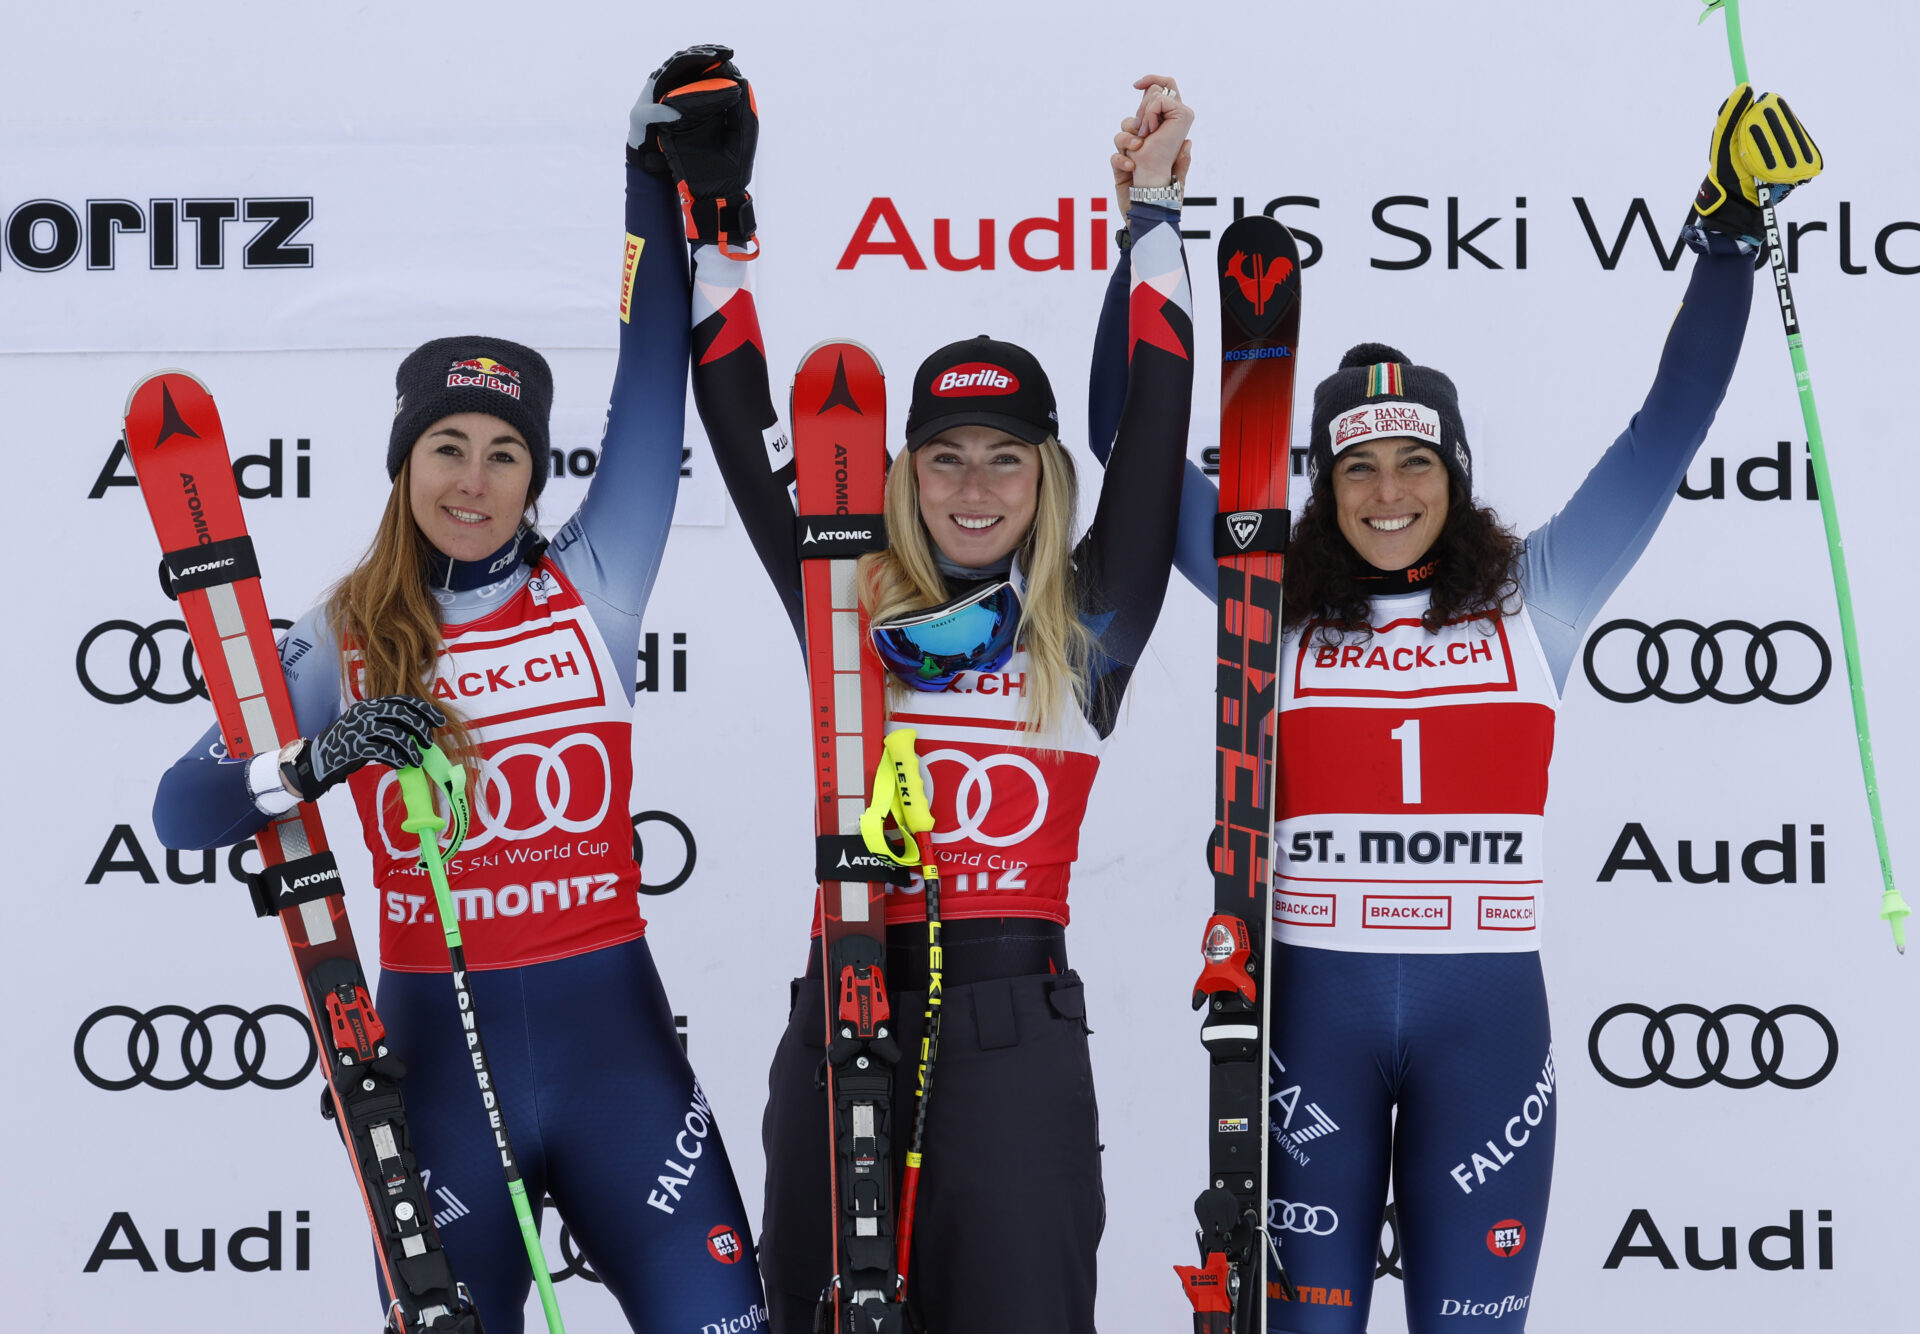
839, 419
1259, 327
179, 452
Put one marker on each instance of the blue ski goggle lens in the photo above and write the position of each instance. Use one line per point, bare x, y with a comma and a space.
929, 649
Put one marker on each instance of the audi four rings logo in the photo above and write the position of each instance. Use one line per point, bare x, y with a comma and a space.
1714, 1047
1313, 1220
551, 790
147, 1057
973, 799
1735, 662
150, 663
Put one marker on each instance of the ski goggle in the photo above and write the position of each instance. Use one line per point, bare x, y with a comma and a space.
929, 649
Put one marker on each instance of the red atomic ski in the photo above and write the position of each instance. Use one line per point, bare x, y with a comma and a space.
1259, 328
179, 452
839, 415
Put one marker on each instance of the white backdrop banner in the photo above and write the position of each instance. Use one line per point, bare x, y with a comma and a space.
283, 200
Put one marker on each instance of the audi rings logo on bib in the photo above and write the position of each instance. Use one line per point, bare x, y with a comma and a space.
1734, 662
170, 1047
159, 662
1000, 800
976, 378
1792, 1046
564, 788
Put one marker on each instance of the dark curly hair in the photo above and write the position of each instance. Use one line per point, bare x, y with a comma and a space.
1327, 581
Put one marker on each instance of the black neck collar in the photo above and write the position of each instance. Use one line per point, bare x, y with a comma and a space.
457, 576
1385, 583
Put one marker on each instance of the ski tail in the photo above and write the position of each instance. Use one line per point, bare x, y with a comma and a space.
179, 452
1259, 272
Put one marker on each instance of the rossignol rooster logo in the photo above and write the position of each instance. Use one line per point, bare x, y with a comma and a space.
1254, 286
1242, 527
1258, 286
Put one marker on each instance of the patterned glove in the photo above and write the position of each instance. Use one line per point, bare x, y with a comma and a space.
391, 730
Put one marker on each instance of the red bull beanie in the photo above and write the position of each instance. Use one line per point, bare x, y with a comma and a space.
472, 374
1378, 394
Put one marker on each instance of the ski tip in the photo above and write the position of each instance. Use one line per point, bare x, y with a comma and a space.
855, 343
163, 374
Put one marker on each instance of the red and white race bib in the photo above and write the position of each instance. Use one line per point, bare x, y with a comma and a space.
547, 869
1007, 812
1413, 778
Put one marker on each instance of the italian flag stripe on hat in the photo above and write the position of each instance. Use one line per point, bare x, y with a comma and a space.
1383, 377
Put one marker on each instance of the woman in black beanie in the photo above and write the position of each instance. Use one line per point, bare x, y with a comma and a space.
461, 621
1425, 646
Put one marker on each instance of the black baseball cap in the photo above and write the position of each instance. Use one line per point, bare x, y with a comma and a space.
982, 382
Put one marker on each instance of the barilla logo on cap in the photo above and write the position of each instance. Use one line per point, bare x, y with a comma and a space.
484, 373
975, 378
1381, 420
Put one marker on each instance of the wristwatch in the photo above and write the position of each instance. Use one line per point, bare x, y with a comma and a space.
289, 758
1166, 195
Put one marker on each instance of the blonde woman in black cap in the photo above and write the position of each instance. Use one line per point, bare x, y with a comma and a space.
980, 511
460, 620
1425, 648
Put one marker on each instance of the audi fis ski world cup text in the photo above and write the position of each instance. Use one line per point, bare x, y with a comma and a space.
1410, 232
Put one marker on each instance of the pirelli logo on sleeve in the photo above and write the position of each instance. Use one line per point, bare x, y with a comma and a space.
629, 269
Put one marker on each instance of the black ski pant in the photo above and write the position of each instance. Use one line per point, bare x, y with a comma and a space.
1010, 1207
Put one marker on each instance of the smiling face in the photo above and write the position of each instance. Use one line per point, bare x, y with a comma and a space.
979, 488
1391, 497
467, 484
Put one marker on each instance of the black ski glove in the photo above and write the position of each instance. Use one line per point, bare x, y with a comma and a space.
391, 730
696, 119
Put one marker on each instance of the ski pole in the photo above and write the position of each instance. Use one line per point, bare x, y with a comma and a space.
898, 792
1893, 908
417, 786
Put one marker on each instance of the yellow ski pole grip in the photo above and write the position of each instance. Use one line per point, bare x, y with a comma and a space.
914, 813
886, 802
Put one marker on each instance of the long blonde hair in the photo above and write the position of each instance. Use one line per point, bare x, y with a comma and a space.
386, 618
905, 577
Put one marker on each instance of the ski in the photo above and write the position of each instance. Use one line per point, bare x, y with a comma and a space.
1259, 327
839, 415
179, 451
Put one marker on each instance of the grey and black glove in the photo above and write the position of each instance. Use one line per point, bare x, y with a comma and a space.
391, 730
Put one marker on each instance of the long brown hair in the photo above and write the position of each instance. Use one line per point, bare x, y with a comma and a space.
905, 577
1478, 571
387, 619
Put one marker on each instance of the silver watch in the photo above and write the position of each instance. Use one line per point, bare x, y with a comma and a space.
1169, 195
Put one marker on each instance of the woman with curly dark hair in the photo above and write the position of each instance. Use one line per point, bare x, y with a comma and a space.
1424, 648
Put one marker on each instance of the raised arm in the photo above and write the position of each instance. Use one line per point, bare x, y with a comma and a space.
1127, 553
1107, 388
1578, 558
611, 548
706, 129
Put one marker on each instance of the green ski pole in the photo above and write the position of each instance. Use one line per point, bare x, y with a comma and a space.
1893, 908
417, 787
